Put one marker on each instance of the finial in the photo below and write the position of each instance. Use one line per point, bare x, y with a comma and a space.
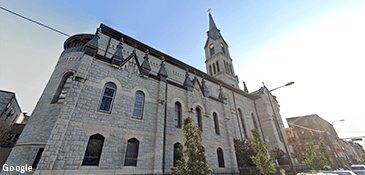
147, 51
187, 69
209, 11
121, 40
163, 58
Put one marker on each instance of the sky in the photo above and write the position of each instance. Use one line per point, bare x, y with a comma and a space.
317, 44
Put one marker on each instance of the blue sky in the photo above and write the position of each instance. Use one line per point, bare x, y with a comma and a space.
317, 44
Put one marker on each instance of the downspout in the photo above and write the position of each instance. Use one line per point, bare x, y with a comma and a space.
164, 132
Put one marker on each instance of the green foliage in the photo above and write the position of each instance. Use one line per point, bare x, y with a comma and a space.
244, 152
261, 160
193, 158
312, 160
280, 156
326, 156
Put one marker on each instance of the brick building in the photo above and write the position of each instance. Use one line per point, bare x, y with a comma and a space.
115, 105
9, 109
312, 128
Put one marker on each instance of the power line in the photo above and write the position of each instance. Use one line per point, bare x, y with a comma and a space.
34, 21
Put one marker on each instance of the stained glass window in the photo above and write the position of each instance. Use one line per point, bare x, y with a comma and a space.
108, 97
177, 155
177, 114
93, 150
132, 152
216, 123
138, 105
220, 157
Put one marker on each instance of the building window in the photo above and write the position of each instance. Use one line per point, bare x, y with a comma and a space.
138, 105
177, 114
216, 123
63, 88
198, 118
313, 120
220, 157
254, 121
223, 50
93, 150
306, 122
132, 152
177, 155
230, 67
214, 69
243, 122
37, 158
217, 66
210, 70
211, 48
108, 97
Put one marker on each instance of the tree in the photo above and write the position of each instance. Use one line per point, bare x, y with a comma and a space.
193, 158
312, 160
244, 152
261, 160
326, 156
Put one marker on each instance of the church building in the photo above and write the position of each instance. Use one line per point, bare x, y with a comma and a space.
114, 105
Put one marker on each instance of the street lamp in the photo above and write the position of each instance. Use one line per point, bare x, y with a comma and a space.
338, 121
281, 135
287, 84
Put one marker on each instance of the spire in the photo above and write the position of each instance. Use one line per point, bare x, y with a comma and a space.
245, 87
162, 72
146, 68
211, 22
213, 31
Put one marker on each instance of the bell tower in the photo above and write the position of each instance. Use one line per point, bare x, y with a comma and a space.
218, 61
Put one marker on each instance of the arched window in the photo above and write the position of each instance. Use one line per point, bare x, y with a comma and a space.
220, 157
225, 66
223, 50
210, 70
214, 69
63, 88
177, 155
132, 152
93, 150
217, 66
138, 105
254, 121
243, 123
230, 67
177, 114
198, 118
108, 97
211, 48
216, 123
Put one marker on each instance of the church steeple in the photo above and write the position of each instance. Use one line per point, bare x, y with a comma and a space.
218, 61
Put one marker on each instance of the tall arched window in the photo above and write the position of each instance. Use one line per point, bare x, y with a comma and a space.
198, 118
108, 97
220, 157
214, 69
210, 70
211, 48
230, 67
132, 152
93, 150
223, 50
138, 105
216, 123
63, 88
177, 114
225, 66
177, 155
254, 121
243, 123
217, 66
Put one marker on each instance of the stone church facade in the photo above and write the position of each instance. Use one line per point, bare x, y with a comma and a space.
114, 105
